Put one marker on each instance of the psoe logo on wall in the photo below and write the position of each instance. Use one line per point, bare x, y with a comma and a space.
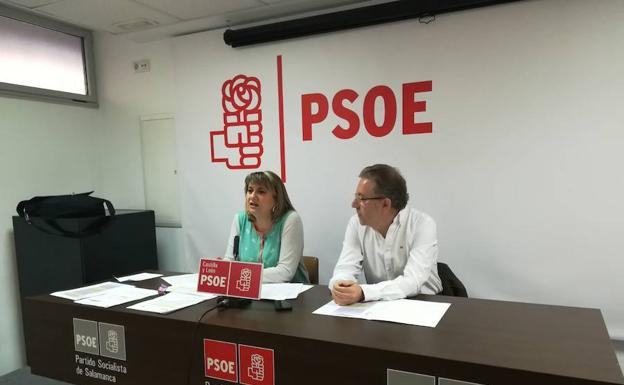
241, 136
238, 143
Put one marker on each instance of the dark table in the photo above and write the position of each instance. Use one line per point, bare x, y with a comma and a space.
477, 341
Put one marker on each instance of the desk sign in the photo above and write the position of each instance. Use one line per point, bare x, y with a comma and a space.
230, 278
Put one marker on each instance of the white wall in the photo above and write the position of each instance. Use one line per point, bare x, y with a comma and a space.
44, 149
170, 243
522, 170
124, 97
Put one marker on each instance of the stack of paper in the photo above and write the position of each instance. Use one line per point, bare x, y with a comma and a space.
88, 291
118, 296
105, 294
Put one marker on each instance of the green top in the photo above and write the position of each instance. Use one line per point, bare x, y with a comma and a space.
250, 242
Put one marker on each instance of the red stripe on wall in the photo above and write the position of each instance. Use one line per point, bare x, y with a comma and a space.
280, 103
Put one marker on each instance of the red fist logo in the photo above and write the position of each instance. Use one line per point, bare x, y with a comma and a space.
241, 93
242, 124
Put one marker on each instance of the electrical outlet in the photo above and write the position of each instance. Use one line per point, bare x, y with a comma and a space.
141, 66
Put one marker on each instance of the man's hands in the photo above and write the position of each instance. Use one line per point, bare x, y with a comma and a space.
347, 292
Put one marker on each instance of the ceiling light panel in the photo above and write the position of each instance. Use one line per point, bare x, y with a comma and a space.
30, 3
195, 9
314, 3
103, 15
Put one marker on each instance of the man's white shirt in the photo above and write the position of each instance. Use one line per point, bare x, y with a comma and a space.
402, 264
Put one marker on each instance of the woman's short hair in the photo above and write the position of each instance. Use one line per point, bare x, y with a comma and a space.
388, 183
273, 183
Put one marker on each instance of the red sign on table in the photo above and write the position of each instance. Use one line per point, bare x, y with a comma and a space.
213, 276
256, 365
231, 278
220, 360
245, 280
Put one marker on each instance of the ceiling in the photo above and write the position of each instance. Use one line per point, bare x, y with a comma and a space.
148, 20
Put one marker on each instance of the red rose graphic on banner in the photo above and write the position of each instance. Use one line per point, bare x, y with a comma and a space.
241, 137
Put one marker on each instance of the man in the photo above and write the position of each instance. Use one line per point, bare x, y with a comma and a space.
397, 247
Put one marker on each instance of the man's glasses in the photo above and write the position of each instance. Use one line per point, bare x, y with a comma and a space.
361, 199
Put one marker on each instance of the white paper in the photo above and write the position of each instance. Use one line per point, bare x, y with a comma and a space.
280, 291
138, 277
413, 312
356, 310
168, 303
182, 280
118, 296
405, 311
191, 291
88, 291
305, 287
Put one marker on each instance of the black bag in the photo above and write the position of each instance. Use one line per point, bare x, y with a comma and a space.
51, 208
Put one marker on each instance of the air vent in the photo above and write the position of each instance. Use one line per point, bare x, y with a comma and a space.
135, 25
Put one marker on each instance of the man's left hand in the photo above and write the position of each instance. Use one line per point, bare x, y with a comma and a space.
347, 292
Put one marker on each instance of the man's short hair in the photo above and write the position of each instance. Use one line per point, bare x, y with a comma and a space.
388, 182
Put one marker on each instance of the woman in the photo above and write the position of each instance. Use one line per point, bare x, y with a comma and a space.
270, 230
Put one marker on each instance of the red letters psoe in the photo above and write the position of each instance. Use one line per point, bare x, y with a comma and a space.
245, 280
220, 360
213, 276
315, 109
257, 366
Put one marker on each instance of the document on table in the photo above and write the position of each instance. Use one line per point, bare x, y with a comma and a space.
118, 296
182, 280
168, 303
280, 291
88, 291
138, 277
186, 284
190, 290
305, 287
405, 311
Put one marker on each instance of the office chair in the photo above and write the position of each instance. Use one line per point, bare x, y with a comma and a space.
451, 285
312, 265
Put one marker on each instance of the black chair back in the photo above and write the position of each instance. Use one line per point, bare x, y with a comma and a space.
451, 285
